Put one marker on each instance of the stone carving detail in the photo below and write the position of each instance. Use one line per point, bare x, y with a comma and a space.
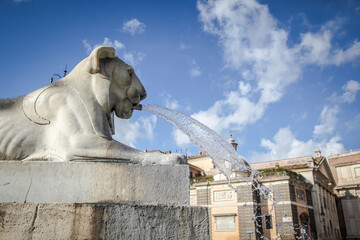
72, 119
223, 196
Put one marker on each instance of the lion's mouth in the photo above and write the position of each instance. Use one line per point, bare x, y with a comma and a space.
137, 107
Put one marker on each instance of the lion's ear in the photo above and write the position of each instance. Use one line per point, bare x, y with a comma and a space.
97, 54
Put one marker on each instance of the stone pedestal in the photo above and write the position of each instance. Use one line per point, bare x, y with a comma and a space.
98, 200
93, 182
102, 221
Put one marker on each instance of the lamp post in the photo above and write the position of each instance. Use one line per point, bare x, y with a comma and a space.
55, 74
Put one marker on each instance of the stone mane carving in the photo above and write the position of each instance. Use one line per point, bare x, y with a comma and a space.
72, 119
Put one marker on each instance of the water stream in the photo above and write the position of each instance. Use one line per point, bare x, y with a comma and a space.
223, 154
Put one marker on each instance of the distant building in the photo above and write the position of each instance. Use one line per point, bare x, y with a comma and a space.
287, 215
290, 206
202, 161
305, 200
346, 170
316, 170
195, 171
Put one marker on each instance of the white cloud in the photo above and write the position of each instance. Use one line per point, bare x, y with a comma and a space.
252, 42
180, 138
172, 104
107, 42
87, 46
131, 57
115, 44
350, 90
329, 113
244, 88
254, 45
194, 70
133, 26
128, 131
235, 112
184, 46
316, 48
286, 145
328, 121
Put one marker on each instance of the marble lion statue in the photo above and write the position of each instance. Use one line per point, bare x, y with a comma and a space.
72, 119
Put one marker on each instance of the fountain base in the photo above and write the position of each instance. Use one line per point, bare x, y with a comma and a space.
102, 221
98, 200
93, 182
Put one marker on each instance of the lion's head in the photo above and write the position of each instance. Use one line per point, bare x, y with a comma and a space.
125, 89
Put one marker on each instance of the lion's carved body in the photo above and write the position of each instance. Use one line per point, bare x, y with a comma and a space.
11, 132
71, 119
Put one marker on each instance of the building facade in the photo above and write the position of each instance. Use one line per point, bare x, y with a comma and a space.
276, 205
346, 171
301, 202
315, 170
247, 212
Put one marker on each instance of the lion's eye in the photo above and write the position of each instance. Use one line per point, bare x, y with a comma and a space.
130, 70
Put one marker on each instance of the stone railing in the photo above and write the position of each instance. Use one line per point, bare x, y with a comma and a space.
267, 174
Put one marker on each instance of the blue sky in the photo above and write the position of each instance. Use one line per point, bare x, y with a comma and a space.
281, 76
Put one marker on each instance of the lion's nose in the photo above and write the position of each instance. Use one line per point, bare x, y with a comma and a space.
142, 94
136, 84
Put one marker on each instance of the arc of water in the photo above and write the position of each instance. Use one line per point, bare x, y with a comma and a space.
224, 156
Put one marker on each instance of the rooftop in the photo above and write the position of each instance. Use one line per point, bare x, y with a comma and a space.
344, 158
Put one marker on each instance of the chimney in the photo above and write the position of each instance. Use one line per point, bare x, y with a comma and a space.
232, 142
310, 163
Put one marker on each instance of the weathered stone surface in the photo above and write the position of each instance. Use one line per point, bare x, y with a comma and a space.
102, 221
93, 182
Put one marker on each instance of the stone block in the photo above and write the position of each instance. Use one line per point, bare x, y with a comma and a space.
93, 182
102, 221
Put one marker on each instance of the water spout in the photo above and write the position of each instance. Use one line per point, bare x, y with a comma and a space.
137, 107
223, 154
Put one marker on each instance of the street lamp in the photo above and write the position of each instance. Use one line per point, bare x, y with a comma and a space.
55, 74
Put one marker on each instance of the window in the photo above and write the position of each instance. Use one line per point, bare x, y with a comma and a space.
331, 227
268, 221
357, 172
325, 231
266, 194
224, 223
324, 202
300, 195
321, 203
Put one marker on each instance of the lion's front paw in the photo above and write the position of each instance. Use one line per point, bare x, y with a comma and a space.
175, 158
161, 158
